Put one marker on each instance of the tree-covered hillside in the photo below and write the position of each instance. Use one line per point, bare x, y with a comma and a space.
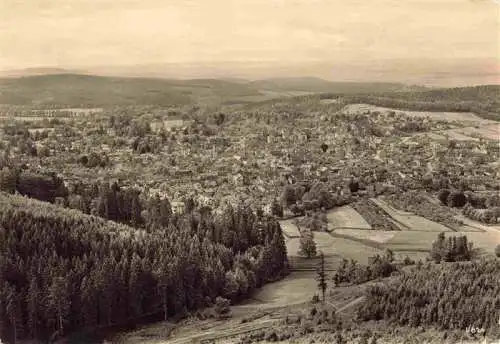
482, 100
63, 271
89, 90
451, 296
71, 90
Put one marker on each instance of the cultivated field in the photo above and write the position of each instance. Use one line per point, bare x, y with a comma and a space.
372, 235
489, 132
375, 216
346, 217
408, 221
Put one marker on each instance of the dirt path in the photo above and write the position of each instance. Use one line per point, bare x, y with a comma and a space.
351, 304
232, 328
221, 332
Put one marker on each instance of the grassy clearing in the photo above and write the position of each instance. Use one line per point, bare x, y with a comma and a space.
457, 135
335, 247
292, 246
486, 241
373, 235
346, 217
489, 132
302, 264
289, 228
298, 287
413, 243
344, 248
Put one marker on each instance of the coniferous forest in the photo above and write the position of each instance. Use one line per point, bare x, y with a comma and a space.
63, 271
449, 295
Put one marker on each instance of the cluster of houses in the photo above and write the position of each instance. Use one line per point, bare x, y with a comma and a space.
256, 159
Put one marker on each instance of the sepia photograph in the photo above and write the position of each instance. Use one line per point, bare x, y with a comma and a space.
249, 171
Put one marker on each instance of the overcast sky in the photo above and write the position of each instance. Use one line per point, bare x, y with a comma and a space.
121, 32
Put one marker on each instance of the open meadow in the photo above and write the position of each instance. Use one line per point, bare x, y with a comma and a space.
290, 228
346, 217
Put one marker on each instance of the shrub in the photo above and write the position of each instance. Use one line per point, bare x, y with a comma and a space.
297, 209
408, 261
276, 208
313, 311
315, 298
307, 245
456, 199
222, 308
353, 185
271, 336
443, 196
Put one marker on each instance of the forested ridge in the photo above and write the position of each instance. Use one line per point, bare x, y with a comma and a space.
62, 270
450, 296
482, 100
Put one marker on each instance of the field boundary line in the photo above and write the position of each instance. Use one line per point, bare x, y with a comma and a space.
345, 227
386, 206
366, 242
395, 221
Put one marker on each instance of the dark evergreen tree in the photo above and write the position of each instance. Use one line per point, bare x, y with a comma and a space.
321, 275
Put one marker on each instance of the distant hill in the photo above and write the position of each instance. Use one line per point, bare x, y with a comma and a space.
435, 72
317, 85
17, 73
77, 90
68, 89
